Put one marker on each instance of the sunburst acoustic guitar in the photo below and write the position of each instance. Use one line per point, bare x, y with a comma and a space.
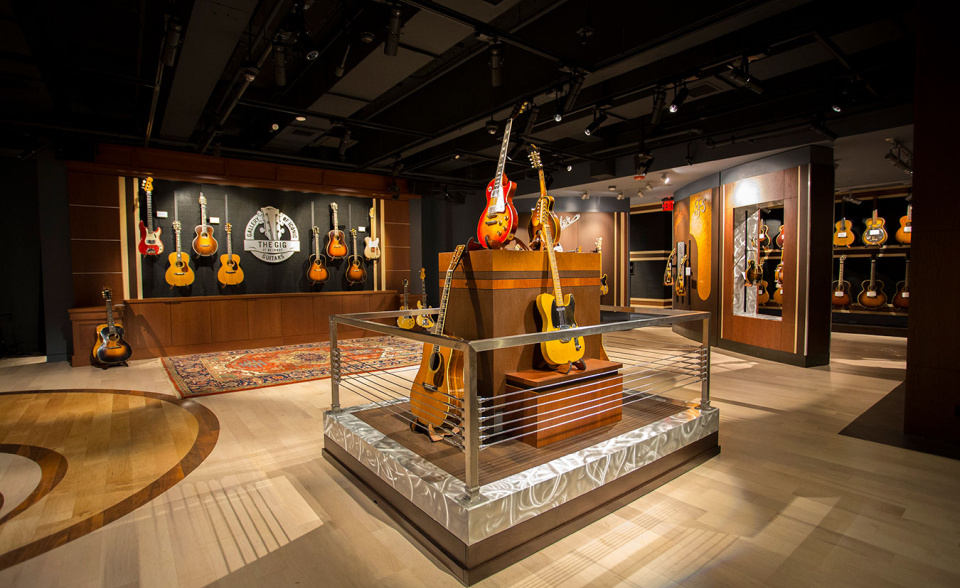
841, 297
872, 296
110, 348
901, 300
317, 272
356, 273
336, 240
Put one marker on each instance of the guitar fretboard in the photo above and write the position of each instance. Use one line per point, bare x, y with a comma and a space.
316, 242
873, 271
405, 289
557, 293
149, 211
906, 276
842, 257
110, 325
442, 316
503, 157
228, 230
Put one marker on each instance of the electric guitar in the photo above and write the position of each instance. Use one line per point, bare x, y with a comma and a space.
336, 247
230, 273
901, 300
371, 248
356, 273
179, 273
841, 289
872, 296
604, 289
204, 243
668, 273
906, 227
843, 236
317, 273
150, 243
405, 322
780, 237
875, 233
423, 320
439, 381
499, 221
680, 281
110, 348
542, 214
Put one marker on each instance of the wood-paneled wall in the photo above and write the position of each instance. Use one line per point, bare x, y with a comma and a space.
96, 244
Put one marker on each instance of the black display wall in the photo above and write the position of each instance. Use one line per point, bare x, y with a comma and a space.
649, 232
260, 277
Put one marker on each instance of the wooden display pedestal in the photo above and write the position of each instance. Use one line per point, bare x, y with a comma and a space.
565, 405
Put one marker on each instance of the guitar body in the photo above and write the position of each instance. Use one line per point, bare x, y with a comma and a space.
438, 382
603, 285
204, 243
150, 243
903, 233
843, 236
110, 348
537, 220
778, 294
406, 322
356, 273
371, 249
762, 295
901, 300
230, 273
753, 274
336, 246
872, 302
179, 273
780, 238
841, 294
497, 227
555, 318
879, 233
763, 240
317, 273
423, 321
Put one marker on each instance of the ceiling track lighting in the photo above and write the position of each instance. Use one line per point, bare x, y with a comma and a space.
492, 126
585, 195
659, 97
576, 84
642, 162
620, 195
742, 79
678, 98
171, 43
344, 143
665, 178
280, 64
495, 62
599, 117
397, 167
342, 68
392, 43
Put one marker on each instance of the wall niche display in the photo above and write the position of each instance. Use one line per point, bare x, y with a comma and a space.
271, 235
758, 237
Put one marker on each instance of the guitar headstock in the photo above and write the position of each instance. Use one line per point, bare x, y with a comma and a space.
534, 155
423, 273
176, 226
333, 205
457, 254
203, 201
842, 258
599, 243
353, 232
373, 212
316, 231
228, 228
148, 184
521, 108
106, 293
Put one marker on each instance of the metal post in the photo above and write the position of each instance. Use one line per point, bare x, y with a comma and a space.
471, 419
705, 366
334, 367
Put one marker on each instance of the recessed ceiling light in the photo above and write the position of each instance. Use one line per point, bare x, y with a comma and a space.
612, 188
275, 127
301, 118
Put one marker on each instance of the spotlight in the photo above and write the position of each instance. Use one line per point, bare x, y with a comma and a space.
344, 141
280, 64
531, 120
392, 43
743, 80
575, 85
340, 69
301, 119
585, 195
678, 99
569, 167
642, 163
898, 162
647, 187
620, 195
492, 126
366, 37
597, 121
275, 127
836, 107
495, 48
659, 97
250, 74
558, 116
612, 188
665, 178
456, 156
171, 43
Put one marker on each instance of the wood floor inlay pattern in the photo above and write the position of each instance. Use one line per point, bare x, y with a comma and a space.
102, 454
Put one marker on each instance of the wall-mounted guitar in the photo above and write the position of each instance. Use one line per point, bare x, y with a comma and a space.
778, 281
872, 296
901, 300
875, 234
841, 297
356, 273
150, 243
668, 273
439, 381
424, 321
680, 280
498, 223
604, 289
336, 246
110, 348
230, 273
781, 237
371, 249
763, 238
179, 273
542, 214
405, 322
905, 231
317, 272
204, 243
843, 236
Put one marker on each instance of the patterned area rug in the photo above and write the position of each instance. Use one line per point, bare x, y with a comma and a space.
203, 374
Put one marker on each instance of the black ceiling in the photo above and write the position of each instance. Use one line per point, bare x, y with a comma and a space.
73, 73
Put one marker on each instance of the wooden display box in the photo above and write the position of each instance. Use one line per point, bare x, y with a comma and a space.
566, 404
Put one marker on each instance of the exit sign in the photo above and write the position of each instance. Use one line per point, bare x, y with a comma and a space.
667, 204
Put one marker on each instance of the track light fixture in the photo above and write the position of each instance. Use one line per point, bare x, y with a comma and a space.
620, 195
576, 84
392, 43
642, 162
895, 157
344, 143
280, 64
495, 54
340, 69
678, 98
741, 79
659, 97
548, 181
599, 117
585, 195
665, 178
171, 43
492, 126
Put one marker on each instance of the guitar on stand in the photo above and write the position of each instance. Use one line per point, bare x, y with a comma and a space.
356, 273
405, 322
110, 348
204, 243
843, 236
179, 273
901, 300
317, 273
499, 221
872, 296
875, 234
542, 214
439, 381
905, 231
230, 273
604, 289
556, 312
150, 243
841, 289
336, 247
668, 273
371, 249
423, 320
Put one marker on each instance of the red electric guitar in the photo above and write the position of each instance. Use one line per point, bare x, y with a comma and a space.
499, 221
150, 243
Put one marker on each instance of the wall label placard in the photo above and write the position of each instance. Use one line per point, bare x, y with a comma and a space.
282, 239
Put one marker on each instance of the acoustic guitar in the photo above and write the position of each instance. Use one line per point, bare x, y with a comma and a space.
424, 321
778, 283
204, 243
498, 223
179, 273
763, 238
150, 243
371, 249
841, 289
336, 240
317, 272
230, 273
843, 236
556, 311
754, 273
110, 347
905, 231
901, 300
668, 273
542, 214
356, 273
405, 322
781, 238
872, 296
680, 280
763, 296
875, 234
439, 381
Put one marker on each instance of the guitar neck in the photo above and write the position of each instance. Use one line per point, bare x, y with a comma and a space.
177, 231
906, 277
354, 235
336, 223
150, 210
110, 325
203, 211
840, 279
423, 288
503, 153
406, 288
229, 245
551, 254
316, 242
447, 282
873, 272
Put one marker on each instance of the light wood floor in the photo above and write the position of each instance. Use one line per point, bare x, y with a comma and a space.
788, 502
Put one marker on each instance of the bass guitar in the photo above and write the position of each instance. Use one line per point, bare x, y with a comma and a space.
405, 322
110, 348
356, 273
179, 273
204, 243
905, 231
542, 214
423, 320
336, 246
668, 273
843, 236
875, 234
230, 273
150, 243
872, 296
437, 391
841, 289
901, 300
371, 249
498, 223
317, 273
